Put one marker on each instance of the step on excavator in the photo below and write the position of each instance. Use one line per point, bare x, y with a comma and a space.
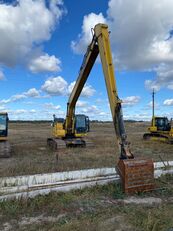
5, 147
137, 174
160, 129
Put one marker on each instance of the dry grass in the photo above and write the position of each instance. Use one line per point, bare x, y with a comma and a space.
31, 154
89, 209
96, 208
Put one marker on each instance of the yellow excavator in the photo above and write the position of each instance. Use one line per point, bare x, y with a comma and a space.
160, 128
5, 148
63, 138
136, 173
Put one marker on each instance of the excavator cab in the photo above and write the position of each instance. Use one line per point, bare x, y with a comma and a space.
81, 124
62, 139
5, 147
162, 123
3, 126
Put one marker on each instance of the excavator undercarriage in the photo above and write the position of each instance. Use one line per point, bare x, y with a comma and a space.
59, 144
164, 137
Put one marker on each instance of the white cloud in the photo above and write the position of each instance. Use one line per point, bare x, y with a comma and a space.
87, 91
52, 106
168, 102
19, 111
14, 98
70, 87
22, 114
138, 43
130, 100
32, 93
101, 101
91, 110
150, 104
2, 108
59, 86
81, 103
44, 63
33, 114
140, 37
138, 116
85, 37
152, 85
55, 86
55, 8
2, 76
95, 113
33, 111
164, 78
24, 26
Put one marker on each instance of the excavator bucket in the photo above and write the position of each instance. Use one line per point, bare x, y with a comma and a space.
137, 175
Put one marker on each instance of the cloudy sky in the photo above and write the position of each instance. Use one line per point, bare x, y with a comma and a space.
42, 44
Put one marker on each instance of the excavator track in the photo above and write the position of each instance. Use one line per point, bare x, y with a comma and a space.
159, 137
55, 144
59, 144
5, 149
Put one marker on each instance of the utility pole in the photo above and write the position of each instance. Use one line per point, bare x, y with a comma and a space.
153, 101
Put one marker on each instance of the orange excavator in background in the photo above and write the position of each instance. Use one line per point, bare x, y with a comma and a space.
137, 174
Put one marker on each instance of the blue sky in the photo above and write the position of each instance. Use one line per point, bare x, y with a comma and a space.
42, 45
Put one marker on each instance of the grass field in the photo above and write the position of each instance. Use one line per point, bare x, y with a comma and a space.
31, 155
101, 208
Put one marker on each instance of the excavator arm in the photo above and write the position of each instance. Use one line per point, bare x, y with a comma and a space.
87, 64
102, 34
101, 44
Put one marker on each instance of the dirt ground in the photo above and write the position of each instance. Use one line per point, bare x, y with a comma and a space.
31, 155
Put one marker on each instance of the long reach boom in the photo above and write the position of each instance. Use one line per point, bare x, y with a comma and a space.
101, 44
